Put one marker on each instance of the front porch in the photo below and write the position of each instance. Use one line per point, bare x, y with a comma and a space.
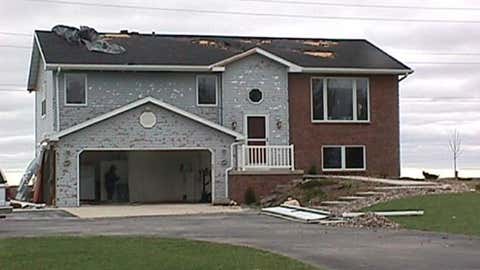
265, 157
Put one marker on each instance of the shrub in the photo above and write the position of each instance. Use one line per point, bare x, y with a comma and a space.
312, 170
250, 197
477, 187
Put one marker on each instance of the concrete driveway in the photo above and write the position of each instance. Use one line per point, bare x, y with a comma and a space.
332, 248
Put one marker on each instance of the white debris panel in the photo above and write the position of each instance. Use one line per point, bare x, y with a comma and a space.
294, 214
386, 213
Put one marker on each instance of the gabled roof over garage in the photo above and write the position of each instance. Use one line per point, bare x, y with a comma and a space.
135, 104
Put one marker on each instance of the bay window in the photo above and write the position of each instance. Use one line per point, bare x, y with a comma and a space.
340, 99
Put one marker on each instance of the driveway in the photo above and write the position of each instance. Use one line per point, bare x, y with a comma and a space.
332, 248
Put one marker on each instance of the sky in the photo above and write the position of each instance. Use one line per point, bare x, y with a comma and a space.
441, 44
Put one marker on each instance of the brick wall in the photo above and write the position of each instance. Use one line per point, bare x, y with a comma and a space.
380, 136
262, 184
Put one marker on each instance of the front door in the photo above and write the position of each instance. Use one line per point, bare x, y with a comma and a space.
257, 130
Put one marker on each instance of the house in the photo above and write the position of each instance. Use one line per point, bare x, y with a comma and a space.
181, 118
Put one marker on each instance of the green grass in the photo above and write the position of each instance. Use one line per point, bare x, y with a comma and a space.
451, 213
134, 253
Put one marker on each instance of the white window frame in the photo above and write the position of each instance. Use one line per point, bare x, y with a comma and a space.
325, 100
44, 99
65, 91
344, 159
216, 91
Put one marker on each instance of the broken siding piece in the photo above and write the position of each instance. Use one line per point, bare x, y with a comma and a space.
385, 213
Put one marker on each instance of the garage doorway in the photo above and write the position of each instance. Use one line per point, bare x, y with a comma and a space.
145, 176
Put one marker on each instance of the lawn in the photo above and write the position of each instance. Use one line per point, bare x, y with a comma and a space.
134, 253
451, 213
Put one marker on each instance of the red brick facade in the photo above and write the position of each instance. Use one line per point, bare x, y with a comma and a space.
380, 136
263, 184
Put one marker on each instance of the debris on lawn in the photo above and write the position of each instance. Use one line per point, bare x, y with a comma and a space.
292, 201
385, 213
368, 220
294, 214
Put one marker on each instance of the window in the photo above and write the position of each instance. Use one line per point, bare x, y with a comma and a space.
75, 89
343, 158
44, 107
340, 99
43, 104
207, 90
255, 95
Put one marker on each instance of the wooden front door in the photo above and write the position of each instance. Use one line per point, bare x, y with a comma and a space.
257, 130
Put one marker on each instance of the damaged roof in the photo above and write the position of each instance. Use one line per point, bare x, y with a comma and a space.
190, 50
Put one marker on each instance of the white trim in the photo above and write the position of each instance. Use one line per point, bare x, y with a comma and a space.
216, 67
57, 98
140, 102
212, 164
292, 67
354, 100
124, 67
35, 37
245, 127
216, 90
65, 91
356, 70
343, 157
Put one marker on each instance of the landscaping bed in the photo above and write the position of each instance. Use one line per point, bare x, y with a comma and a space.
134, 253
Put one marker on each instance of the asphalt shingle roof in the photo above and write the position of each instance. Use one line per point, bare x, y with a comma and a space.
149, 49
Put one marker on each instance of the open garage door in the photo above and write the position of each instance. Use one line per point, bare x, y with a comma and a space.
153, 176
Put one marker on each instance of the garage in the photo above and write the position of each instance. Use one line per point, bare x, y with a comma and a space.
145, 176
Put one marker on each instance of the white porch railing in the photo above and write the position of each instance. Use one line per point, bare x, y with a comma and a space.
266, 157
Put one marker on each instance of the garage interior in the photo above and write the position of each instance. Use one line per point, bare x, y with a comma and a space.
177, 176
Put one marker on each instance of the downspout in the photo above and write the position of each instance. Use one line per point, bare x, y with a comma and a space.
229, 169
59, 69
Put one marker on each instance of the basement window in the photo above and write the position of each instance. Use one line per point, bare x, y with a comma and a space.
338, 99
343, 158
75, 89
207, 90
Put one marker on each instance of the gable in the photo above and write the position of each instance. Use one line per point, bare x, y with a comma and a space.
143, 102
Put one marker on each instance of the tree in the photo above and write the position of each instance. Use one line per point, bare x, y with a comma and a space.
455, 145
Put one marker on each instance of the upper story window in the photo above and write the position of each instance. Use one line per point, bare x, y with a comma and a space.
43, 104
207, 90
75, 89
340, 100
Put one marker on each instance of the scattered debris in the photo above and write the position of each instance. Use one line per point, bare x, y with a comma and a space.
368, 220
385, 213
430, 176
88, 37
32, 169
320, 54
320, 43
294, 214
291, 201
23, 205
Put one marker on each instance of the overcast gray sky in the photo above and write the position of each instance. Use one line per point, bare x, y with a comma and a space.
435, 100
